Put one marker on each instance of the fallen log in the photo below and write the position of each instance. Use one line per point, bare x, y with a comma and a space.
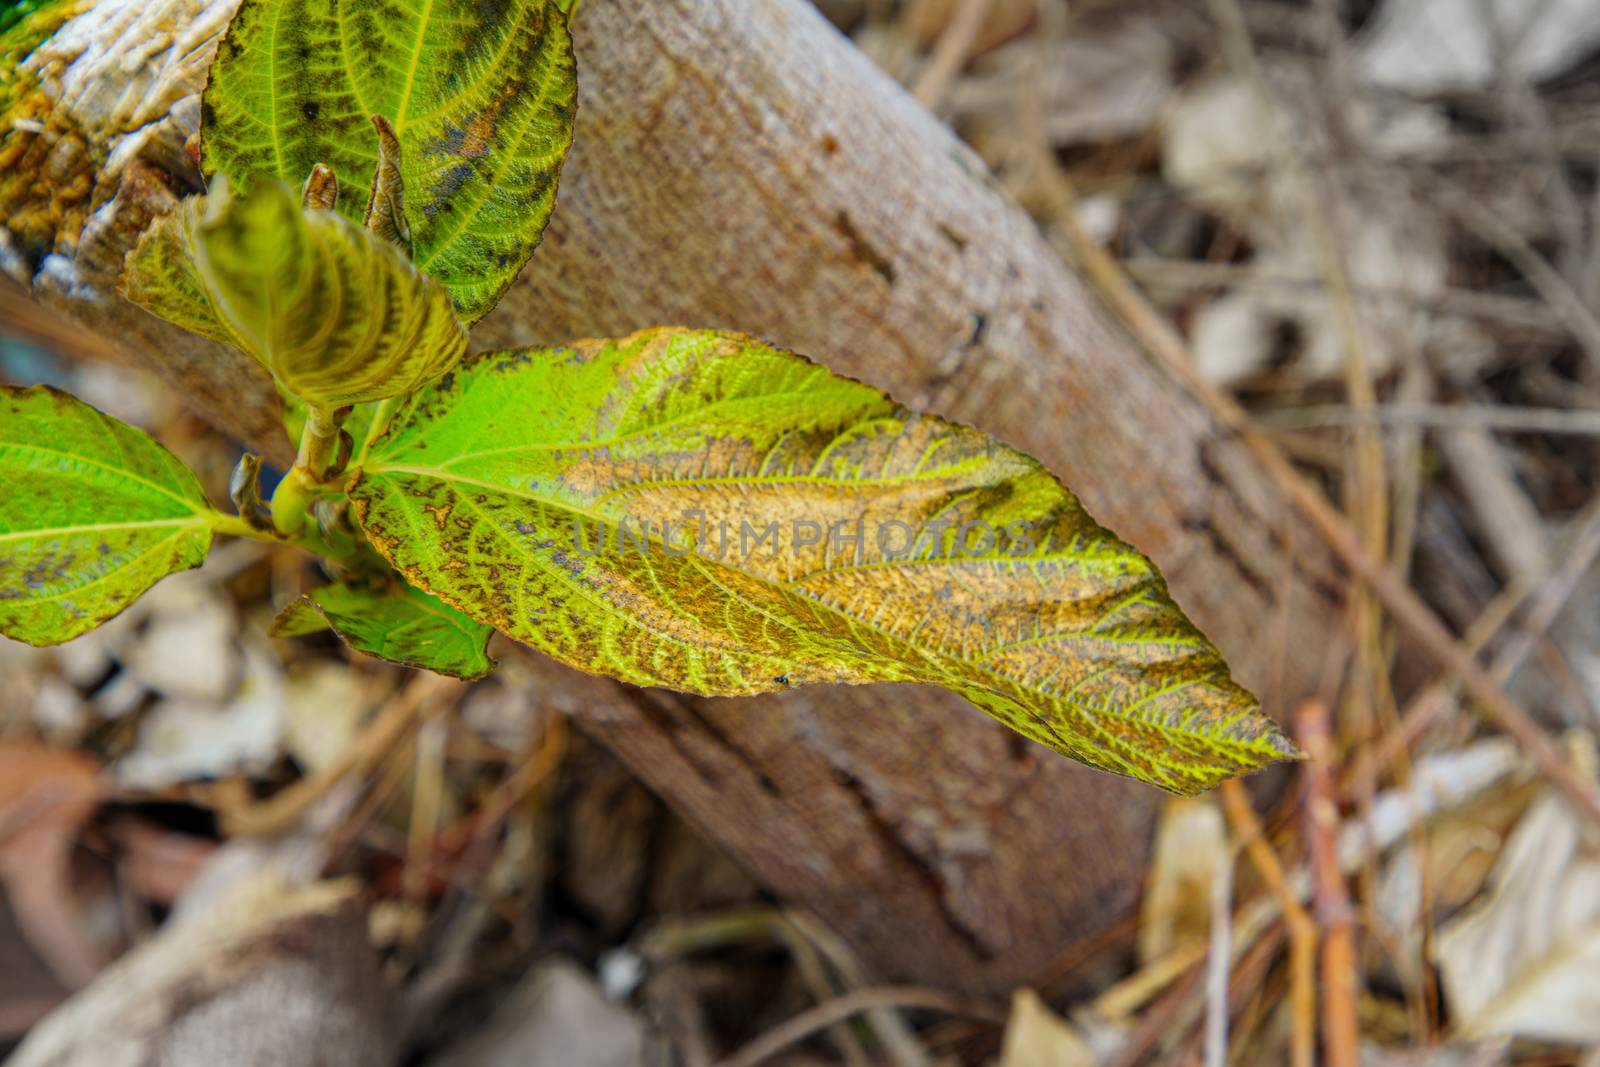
742, 166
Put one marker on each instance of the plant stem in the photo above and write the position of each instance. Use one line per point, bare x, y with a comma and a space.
334, 547
234, 526
319, 443
306, 480
291, 504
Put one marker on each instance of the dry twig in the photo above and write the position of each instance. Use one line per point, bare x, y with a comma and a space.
281, 812
950, 52
1507, 418
844, 1007
1402, 604
1538, 606
1302, 931
1218, 964
1340, 1031
1546, 280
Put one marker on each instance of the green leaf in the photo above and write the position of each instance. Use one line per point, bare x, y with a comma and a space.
489, 488
337, 314
402, 625
481, 93
93, 513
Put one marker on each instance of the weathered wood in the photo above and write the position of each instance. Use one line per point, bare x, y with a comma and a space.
739, 164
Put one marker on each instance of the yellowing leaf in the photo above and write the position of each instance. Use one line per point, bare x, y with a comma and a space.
768, 524
337, 314
481, 96
404, 626
92, 513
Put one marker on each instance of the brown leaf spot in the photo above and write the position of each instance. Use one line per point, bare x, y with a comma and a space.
440, 512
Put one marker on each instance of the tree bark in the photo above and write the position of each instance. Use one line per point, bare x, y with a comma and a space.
739, 164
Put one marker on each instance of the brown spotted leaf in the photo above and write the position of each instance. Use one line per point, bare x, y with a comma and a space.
702, 511
92, 513
480, 93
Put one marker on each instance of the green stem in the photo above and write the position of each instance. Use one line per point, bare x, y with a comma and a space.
291, 505
341, 550
234, 526
306, 480
319, 443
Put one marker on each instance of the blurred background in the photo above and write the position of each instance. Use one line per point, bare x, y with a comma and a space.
1375, 223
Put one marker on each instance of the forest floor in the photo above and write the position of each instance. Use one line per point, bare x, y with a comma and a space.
1374, 224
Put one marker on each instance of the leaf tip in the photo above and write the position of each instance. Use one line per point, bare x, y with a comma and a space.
321, 190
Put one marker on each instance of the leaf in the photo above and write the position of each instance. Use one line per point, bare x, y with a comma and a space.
321, 188
244, 489
93, 513
490, 488
1186, 859
1035, 1036
481, 94
386, 212
337, 314
404, 626
1525, 961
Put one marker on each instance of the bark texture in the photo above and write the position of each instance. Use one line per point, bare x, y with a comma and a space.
739, 164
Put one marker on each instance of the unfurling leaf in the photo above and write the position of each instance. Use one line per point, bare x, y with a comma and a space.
481, 97
337, 314
244, 489
321, 189
401, 625
386, 205
93, 512
768, 523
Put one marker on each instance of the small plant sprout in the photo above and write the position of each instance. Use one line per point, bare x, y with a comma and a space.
693, 509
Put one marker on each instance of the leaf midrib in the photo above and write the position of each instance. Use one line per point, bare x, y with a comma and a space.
416, 62
197, 521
